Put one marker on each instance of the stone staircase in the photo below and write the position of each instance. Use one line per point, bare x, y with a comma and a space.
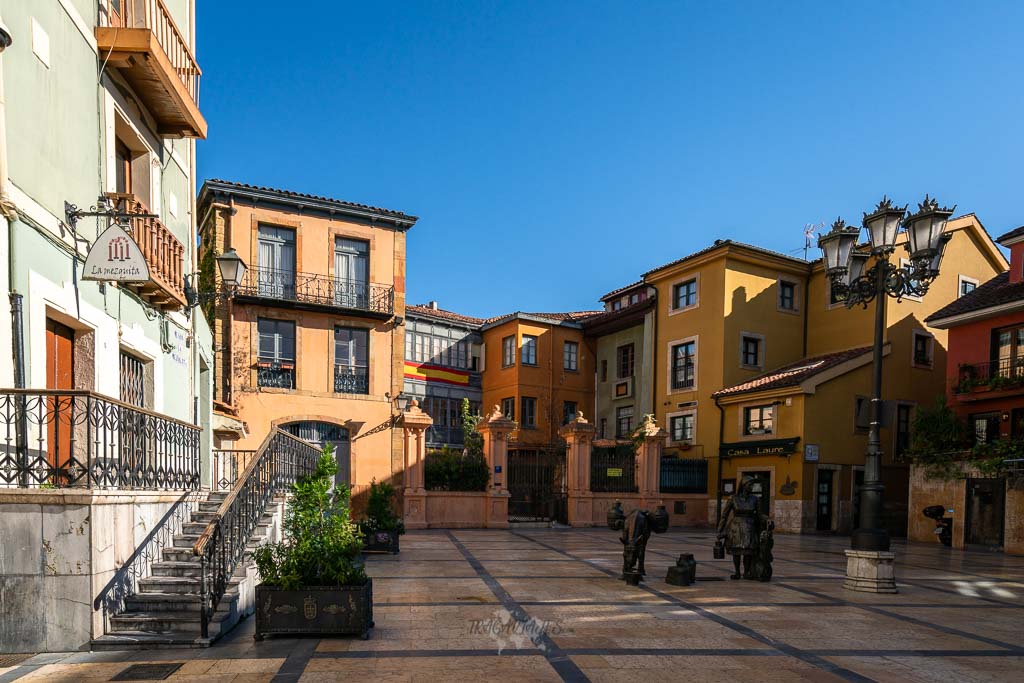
165, 609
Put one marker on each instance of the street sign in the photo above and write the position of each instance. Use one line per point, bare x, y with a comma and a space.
115, 257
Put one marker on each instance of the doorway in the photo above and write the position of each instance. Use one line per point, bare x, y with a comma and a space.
826, 484
762, 488
60, 372
322, 434
986, 501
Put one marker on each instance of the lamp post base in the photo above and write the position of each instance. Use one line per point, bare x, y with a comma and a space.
870, 571
870, 539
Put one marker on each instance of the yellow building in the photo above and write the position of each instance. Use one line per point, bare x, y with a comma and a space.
756, 363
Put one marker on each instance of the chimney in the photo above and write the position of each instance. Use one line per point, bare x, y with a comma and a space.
1015, 243
432, 305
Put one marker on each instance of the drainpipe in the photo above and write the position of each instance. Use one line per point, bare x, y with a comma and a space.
718, 485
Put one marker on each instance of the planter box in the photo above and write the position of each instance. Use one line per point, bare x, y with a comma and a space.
380, 542
314, 610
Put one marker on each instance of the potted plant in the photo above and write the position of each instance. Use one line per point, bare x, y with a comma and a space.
313, 581
382, 526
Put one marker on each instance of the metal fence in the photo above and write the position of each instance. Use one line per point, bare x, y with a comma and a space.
684, 476
82, 439
613, 469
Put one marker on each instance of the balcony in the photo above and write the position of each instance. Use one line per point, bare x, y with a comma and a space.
350, 379
143, 43
79, 439
999, 375
311, 291
164, 253
275, 374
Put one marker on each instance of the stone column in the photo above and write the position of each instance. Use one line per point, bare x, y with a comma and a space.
579, 438
495, 429
648, 457
415, 423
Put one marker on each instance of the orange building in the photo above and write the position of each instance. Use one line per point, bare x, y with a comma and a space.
311, 341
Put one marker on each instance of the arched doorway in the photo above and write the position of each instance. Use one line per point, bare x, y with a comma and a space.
323, 433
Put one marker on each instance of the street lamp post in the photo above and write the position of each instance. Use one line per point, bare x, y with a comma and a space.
845, 266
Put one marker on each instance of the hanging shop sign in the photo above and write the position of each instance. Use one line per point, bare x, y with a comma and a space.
766, 447
115, 257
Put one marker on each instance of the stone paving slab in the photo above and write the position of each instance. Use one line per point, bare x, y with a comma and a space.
545, 605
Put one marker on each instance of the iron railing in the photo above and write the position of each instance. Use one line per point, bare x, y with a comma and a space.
226, 466
613, 469
319, 290
125, 582
350, 379
280, 461
275, 374
997, 374
683, 476
83, 439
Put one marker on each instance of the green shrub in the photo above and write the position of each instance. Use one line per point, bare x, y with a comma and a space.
380, 510
451, 470
321, 544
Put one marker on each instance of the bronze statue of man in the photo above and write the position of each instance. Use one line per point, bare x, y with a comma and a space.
741, 526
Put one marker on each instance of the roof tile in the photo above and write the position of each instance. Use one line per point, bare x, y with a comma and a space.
793, 374
996, 292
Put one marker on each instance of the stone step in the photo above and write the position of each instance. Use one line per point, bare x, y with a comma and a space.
193, 528
218, 496
181, 624
175, 554
204, 517
173, 602
209, 506
185, 540
176, 568
168, 584
142, 640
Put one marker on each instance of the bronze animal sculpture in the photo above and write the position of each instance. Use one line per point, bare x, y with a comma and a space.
636, 529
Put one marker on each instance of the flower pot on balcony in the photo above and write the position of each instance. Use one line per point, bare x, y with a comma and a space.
314, 610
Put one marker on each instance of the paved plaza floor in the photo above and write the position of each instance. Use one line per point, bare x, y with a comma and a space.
544, 605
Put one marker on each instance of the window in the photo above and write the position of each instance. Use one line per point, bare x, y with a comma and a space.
681, 427
133, 380
623, 422
528, 355
903, 411
508, 408
985, 427
787, 295
634, 299
624, 361
508, 351
529, 413
758, 420
123, 170
351, 360
1008, 352
684, 358
604, 370
833, 295
750, 350
602, 431
276, 360
568, 411
571, 355
923, 349
684, 294
617, 305
276, 262
351, 273
967, 285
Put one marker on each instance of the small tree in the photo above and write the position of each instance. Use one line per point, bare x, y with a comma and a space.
321, 542
938, 440
380, 510
472, 440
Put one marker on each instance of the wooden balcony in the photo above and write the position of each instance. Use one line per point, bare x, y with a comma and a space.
141, 41
163, 251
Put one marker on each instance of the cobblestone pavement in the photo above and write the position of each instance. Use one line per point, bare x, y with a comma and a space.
543, 605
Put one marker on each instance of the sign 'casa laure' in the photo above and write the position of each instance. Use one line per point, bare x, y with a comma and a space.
766, 447
115, 257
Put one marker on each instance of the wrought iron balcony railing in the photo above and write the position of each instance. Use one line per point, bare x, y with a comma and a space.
82, 439
276, 374
351, 379
1005, 373
321, 291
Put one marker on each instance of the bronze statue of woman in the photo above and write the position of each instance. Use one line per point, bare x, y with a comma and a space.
740, 527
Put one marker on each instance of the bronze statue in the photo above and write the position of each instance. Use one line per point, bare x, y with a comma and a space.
747, 534
636, 530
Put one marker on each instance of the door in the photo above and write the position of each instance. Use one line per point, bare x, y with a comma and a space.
762, 488
60, 367
123, 168
322, 434
986, 499
826, 481
276, 267
351, 273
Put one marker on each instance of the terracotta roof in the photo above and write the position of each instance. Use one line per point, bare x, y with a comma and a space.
227, 185
441, 314
793, 374
571, 316
996, 292
723, 243
1016, 232
597, 324
620, 290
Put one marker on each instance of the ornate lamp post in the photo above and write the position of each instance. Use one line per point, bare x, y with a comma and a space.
845, 266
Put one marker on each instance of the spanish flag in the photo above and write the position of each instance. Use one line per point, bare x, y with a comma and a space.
435, 373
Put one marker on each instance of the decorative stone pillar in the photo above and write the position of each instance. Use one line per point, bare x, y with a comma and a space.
648, 457
495, 429
579, 438
415, 423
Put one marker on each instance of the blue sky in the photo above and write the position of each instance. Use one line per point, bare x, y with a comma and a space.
556, 150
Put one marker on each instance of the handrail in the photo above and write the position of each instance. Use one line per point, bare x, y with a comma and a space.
280, 460
103, 397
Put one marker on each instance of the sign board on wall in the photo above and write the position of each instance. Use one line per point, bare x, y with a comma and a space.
115, 257
811, 453
764, 447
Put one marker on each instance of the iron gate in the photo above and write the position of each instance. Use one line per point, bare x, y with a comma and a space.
537, 484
